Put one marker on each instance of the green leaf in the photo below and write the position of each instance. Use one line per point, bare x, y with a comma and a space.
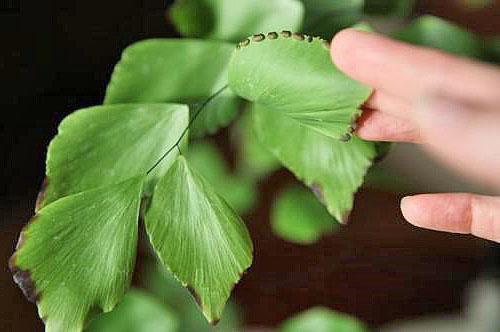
138, 312
161, 283
238, 191
177, 70
325, 17
77, 255
198, 237
297, 78
233, 20
104, 145
254, 159
334, 170
399, 8
438, 33
297, 216
320, 319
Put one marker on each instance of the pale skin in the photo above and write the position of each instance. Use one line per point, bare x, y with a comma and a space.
448, 104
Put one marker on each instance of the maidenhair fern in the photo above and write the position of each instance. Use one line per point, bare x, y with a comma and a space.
129, 159
77, 255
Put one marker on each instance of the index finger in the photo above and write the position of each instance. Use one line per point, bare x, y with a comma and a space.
408, 71
456, 213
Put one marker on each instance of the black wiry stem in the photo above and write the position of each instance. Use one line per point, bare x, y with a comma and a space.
198, 111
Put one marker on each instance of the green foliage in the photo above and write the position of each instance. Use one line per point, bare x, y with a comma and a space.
161, 283
401, 8
138, 312
304, 108
298, 217
238, 191
176, 70
77, 254
334, 170
438, 33
325, 17
202, 241
104, 145
234, 20
254, 159
295, 76
321, 319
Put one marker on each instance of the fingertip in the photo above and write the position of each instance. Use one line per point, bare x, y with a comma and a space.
419, 211
361, 55
365, 134
368, 133
409, 210
441, 212
341, 48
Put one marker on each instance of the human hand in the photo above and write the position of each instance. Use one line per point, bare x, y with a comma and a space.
448, 104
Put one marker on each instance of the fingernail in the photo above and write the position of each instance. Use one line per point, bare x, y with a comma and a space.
435, 113
406, 209
404, 201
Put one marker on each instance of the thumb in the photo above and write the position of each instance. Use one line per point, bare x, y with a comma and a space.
465, 136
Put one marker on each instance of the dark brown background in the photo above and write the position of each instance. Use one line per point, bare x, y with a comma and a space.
56, 56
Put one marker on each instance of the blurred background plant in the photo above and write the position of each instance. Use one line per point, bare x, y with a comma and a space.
238, 165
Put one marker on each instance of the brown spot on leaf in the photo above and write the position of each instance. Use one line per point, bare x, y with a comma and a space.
22, 235
346, 137
195, 295
286, 33
318, 191
258, 37
23, 279
298, 36
41, 194
272, 35
244, 43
